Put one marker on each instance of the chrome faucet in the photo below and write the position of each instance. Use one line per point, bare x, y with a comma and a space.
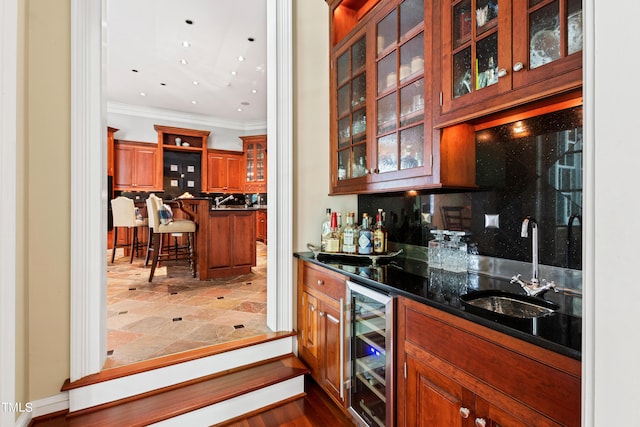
221, 200
533, 287
534, 245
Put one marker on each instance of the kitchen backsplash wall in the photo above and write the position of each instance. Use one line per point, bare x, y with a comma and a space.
527, 168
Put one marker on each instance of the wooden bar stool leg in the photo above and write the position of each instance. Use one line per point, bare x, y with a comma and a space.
191, 255
154, 262
149, 248
115, 239
134, 243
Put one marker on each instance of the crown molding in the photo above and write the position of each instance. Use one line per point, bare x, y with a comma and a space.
181, 116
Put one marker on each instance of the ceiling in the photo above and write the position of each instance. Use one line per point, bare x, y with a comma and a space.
147, 36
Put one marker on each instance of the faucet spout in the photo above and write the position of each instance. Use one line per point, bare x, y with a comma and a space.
534, 244
221, 200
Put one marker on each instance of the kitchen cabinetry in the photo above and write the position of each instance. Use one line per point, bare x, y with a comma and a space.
321, 341
225, 172
498, 54
184, 154
457, 373
255, 159
230, 242
110, 146
137, 167
382, 135
261, 225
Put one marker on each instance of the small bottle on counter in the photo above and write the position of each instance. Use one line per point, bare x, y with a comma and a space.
333, 239
325, 230
379, 235
365, 237
349, 238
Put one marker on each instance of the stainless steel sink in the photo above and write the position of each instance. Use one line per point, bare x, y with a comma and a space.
507, 304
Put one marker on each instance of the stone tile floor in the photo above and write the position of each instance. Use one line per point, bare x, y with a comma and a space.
176, 312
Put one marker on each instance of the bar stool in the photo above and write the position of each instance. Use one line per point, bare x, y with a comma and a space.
124, 215
163, 224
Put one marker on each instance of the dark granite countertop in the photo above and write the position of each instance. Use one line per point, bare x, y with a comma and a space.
560, 331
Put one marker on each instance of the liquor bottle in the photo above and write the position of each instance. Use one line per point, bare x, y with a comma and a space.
379, 235
365, 237
349, 242
326, 229
333, 240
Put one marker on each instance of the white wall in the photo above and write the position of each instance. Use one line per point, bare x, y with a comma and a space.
612, 249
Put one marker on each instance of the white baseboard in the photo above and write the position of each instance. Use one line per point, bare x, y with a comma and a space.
40, 407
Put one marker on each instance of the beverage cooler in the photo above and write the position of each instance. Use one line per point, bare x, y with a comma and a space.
370, 351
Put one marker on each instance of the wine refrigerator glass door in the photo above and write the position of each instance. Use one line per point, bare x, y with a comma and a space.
370, 355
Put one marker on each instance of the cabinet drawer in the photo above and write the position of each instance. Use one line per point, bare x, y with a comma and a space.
326, 282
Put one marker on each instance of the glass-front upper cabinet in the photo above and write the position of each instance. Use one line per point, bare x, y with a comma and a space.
351, 111
490, 48
476, 42
546, 32
400, 94
255, 156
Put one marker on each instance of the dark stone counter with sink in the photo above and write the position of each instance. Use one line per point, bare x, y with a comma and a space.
559, 331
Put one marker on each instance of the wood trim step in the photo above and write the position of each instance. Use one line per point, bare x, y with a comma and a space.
173, 359
191, 395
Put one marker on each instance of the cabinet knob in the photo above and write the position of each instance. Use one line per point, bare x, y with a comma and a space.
518, 66
320, 282
322, 314
502, 72
480, 422
465, 412
374, 170
312, 308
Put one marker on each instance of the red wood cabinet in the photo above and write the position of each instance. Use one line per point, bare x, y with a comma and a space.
137, 167
457, 373
321, 327
261, 225
498, 54
225, 172
255, 160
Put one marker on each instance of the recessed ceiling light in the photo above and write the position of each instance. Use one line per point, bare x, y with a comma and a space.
254, 91
251, 39
240, 58
240, 109
194, 102
245, 103
163, 84
195, 82
143, 94
184, 61
186, 44
134, 70
233, 73
188, 21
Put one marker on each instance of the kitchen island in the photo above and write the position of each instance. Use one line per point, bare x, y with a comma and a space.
225, 238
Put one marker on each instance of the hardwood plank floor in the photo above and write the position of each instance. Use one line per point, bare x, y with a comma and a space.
313, 410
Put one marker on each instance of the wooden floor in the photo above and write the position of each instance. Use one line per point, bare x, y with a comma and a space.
314, 410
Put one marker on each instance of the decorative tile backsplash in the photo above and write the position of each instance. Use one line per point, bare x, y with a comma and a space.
527, 168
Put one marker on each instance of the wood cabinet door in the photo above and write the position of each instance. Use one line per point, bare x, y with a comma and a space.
331, 349
433, 399
309, 323
242, 234
235, 174
145, 169
216, 172
123, 157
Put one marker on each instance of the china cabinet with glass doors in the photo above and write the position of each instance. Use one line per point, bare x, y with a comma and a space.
255, 155
498, 54
382, 134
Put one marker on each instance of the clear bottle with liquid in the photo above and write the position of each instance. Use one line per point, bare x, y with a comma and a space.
379, 234
436, 247
365, 237
333, 239
350, 235
325, 230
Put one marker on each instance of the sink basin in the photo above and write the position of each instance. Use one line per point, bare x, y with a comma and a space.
507, 304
